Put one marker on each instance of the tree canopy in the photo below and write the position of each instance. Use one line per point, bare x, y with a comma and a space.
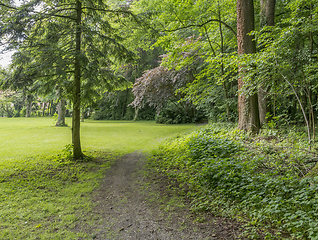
83, 48
72, 44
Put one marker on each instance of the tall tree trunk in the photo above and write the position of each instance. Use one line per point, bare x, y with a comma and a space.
262, 105
270, 12
267, 18
50, 107
77, 150
61, 110
248, 108
227, 107
28, 106
43, 110
136, 114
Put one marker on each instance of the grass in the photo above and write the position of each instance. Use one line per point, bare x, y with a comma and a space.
38, 136
43, 194
127, 136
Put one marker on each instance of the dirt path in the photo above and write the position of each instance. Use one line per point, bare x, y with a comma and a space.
124, 211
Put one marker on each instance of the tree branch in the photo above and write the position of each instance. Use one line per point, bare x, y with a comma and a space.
107, 10
55, 15
7, 6
203, 24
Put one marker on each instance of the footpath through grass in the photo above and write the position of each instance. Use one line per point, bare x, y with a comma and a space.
42, 193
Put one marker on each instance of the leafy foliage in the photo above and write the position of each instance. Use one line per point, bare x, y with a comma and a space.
47, 54
158, 87
219, 168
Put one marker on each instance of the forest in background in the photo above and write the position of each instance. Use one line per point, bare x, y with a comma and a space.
249, 62
186, 64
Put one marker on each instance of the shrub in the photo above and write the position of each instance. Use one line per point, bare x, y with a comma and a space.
23, 112
177, 114
261, 180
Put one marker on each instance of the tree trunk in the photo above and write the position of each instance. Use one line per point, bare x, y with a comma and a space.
255, 121
227, 107
248, 108
267, 18
28, 106
44, 107
77, 150
243, 107
270, 12
49, 108
61, 110
136, 114
262, 105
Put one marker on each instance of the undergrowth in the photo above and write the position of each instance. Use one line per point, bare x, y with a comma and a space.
263, 181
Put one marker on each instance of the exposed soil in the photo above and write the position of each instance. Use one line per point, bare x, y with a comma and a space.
123, 209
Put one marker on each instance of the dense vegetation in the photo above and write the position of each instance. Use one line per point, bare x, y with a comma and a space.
183, 68
263, 182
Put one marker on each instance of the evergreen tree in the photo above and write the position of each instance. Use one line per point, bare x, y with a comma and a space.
66, 43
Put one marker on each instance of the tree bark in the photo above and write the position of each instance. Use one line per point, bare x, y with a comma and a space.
43, 109
77, 150
248, 108
243, 107
28, 106
61, 110
270, 12
136, 114
222, 69
50, 107
262, 104
267, 18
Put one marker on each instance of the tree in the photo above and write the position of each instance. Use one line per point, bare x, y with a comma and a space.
214, 23
158, 87
247, 105
288, 51
61, 108
267, 18
68, 40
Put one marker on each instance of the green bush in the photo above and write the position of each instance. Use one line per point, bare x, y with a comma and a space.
23, 112
178, 114
16, 113
214, 168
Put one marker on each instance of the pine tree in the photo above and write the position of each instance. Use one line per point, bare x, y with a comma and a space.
66, 43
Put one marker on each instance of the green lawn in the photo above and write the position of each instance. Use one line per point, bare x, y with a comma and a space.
28, 137
127, 136
42, 194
